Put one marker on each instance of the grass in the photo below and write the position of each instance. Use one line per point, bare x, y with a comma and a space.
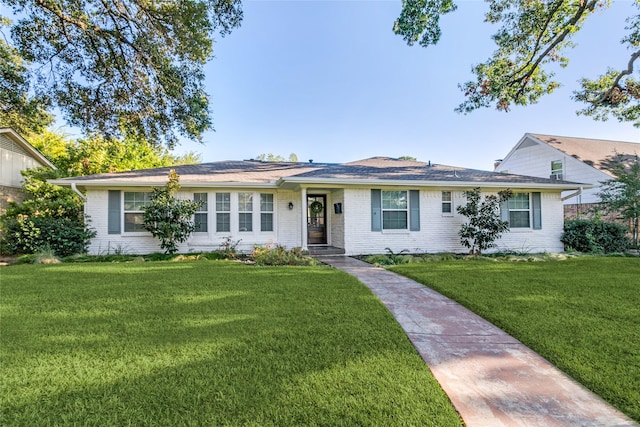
581, 314
205, 343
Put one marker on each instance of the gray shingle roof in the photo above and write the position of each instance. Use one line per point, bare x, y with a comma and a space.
375, 169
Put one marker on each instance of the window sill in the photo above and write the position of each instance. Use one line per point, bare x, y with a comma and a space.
396, 232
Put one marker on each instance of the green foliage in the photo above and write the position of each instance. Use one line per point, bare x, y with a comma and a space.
531, 42
621, 195
581, 314
270, 157
169, 219
279, 255
484, 225
124, 67
390, 258
98, 154
594, 236
19, 108
52, 218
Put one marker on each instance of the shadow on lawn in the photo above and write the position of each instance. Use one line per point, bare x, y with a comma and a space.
156, 347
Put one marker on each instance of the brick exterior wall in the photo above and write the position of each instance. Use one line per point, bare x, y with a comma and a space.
9, 194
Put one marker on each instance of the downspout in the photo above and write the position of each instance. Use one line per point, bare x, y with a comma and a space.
569, 196
78, 192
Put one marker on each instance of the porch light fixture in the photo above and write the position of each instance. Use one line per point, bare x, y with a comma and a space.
290, 205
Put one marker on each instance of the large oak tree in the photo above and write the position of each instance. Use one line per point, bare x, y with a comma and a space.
533, 35
119, 67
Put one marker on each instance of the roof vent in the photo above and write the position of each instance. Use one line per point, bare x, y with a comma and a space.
310, 160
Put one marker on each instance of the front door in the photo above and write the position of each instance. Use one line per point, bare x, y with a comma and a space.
316, 219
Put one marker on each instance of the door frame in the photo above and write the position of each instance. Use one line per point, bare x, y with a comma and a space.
325, 234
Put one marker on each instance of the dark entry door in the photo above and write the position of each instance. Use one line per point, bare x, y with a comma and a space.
316, 219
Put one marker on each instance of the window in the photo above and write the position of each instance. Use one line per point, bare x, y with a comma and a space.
556, 169
201, 218
245, 209
519, 211
223, 212
446, 202
266, 212
394, 210
134, 204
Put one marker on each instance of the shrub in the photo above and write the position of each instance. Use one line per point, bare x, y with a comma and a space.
29, 233
594, 236
279, 255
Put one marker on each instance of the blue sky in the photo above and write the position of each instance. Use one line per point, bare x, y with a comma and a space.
329, 81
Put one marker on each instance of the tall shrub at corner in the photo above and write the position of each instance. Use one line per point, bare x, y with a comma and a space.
170, 219
484, 226
51, 218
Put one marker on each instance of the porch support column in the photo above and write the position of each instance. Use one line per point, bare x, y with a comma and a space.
303, 217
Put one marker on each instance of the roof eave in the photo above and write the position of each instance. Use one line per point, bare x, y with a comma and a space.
334, 182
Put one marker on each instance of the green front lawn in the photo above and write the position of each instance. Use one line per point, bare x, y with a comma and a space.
582, 314
205, 343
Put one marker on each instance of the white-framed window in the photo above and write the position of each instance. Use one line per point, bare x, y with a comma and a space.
447, 203
201, 217
394, 210
245, 211
134, 204
519, 211
556, 169
266, 212
223, 212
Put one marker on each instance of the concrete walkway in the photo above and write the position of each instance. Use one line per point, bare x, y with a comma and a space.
491, 378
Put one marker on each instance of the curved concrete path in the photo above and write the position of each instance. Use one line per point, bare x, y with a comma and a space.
492, 379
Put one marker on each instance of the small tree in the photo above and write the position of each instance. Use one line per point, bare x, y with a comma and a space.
484, 226
168, 218
621, 194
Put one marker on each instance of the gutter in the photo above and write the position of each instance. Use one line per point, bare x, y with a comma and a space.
569, 196
78, 192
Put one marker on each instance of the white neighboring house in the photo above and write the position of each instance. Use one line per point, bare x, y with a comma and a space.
570, 159
16, 155
353, 208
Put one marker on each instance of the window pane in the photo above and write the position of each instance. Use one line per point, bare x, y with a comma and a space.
556, 166
136, 201
266, 222
245, 222
202, 199
446, 196
223, 202
519, 201
266, 202
223, 222
394, 220
394, 200
133, 222
201, 222
519, 219
245, 202
446, 207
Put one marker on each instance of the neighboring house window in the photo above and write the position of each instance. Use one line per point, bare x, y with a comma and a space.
394, 210
245, 211
447, 202
266, 212
201, 217
223, 212
134, 204
556, 169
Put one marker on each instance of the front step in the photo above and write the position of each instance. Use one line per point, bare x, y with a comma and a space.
325, 250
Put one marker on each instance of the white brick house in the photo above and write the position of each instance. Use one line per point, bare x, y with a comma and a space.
359, 207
